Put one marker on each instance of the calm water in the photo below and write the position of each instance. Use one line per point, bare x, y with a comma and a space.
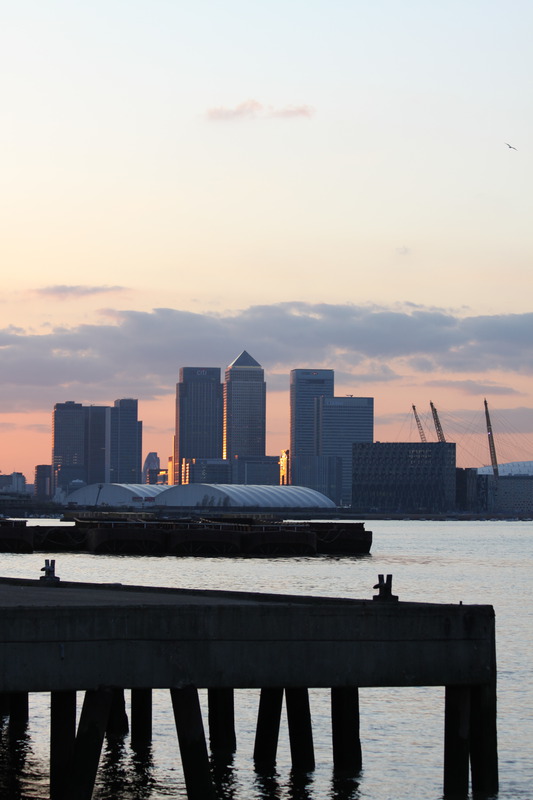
401, 729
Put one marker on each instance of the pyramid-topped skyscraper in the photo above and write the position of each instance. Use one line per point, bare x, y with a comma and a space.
244, 408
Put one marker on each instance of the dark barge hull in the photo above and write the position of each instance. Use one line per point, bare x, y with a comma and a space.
202, 537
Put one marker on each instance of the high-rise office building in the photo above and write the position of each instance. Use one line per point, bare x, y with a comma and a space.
306, 385
68, 444
341, 421
96, 444
244, 429
323, 429
198, 416
125, 442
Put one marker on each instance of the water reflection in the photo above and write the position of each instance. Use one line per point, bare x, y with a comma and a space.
18, 767
124, 775
224, 777
344, 788
267, 785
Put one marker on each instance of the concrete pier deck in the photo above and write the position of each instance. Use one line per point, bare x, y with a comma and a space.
68, 637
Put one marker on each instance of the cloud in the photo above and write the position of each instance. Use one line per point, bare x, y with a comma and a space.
68, 292
138, 354
403, 251
474, 387
252, 109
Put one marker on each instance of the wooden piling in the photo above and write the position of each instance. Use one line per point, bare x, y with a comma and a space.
141, 718
221, 717
267, 731
300, 728
88, 745
62, 739
456, 740
347, 758
483, 740
117, 724
193, 748
18, 714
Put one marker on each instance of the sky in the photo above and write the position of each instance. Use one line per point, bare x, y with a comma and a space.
323, 184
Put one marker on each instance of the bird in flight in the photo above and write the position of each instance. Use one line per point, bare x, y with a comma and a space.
510, 146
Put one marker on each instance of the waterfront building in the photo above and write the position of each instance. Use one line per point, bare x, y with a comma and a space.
205, 470
341, 421
321, 473
404, 477
125, 442
244, 423
68, 444
322, 430
306, 386
255, 470
95, 444
42, 482
198, 433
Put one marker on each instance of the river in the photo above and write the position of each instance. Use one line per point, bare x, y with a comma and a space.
489, 562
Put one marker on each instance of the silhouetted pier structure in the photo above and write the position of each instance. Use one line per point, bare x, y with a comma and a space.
65, 638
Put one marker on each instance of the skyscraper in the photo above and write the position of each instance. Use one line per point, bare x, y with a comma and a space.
306, 385
125, 442
198, 431
96, 444
341, 421
244, 430
68, 444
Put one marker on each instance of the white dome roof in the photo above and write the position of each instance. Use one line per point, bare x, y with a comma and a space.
199, 495
243, 496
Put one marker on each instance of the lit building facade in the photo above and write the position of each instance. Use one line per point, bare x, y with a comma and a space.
199, 408
244, 425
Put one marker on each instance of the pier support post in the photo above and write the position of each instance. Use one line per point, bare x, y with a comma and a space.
347, 758
62, 739
88, 745
483, 740
221, 721
4, 704
18, 714
456, 740
300, 728
267, 731
141, 718
193, 748
117, 724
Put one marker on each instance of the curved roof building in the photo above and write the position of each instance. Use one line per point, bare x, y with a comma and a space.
201, 495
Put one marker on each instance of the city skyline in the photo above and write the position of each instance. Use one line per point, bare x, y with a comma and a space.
326, 185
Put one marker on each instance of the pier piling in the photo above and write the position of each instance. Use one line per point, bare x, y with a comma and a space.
267, 730
62, 739
222, 739
300, 728
347, 758
141, 718
79, 784
193, 748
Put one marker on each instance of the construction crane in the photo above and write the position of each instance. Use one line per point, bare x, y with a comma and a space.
438, 426
419, 425
492, 447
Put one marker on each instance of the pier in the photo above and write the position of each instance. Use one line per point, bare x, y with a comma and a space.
67, 638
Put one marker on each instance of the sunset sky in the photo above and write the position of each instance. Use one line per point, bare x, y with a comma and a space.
323, 184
